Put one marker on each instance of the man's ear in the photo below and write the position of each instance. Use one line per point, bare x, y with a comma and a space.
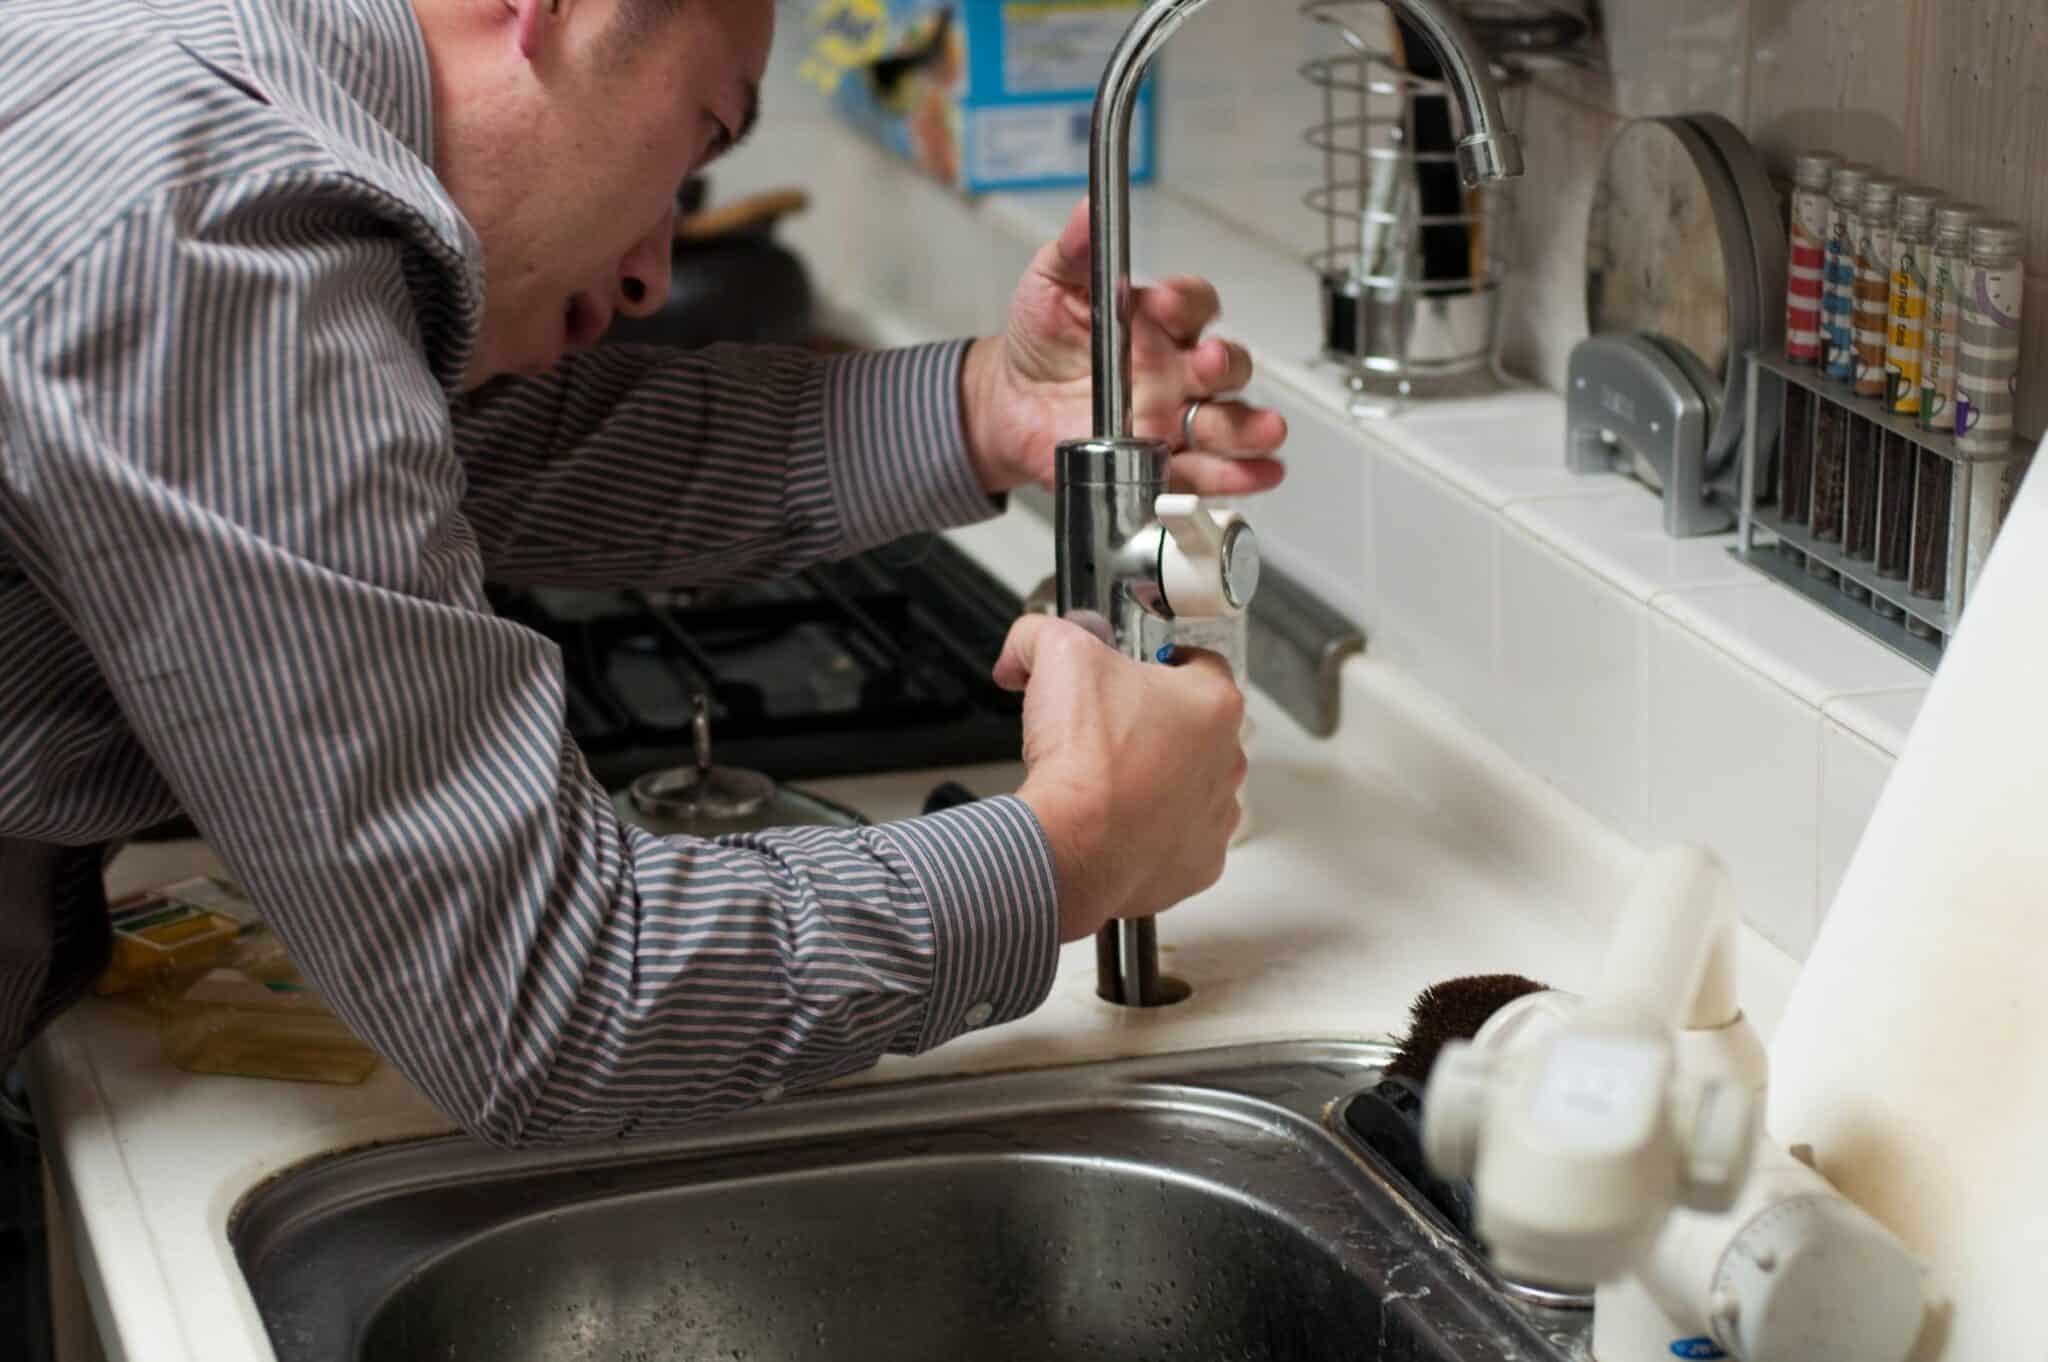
531, 15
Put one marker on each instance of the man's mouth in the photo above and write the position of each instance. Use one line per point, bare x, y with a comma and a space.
584, 321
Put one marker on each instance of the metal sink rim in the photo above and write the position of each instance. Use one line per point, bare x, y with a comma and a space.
1257, 1087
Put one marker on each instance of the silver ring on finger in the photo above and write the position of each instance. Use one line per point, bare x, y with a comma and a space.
1187, 422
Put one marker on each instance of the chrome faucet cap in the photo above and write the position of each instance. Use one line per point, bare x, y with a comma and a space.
1487, 157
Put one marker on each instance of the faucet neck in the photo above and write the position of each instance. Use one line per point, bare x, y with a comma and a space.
1109, 208
1488, 151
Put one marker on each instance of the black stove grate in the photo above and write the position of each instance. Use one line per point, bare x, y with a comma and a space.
877, 663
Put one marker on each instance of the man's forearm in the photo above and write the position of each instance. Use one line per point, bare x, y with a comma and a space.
634, 465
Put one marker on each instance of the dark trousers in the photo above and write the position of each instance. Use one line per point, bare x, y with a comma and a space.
24, 1241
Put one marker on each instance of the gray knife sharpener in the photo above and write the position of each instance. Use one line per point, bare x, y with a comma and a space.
1630, 402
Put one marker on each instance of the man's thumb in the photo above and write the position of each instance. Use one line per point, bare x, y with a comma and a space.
1029, 637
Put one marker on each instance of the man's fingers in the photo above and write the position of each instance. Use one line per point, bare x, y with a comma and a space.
1181, 306
1220, 366
1215, 475
1028, 640
1238, 429
1020, 650
1065, 259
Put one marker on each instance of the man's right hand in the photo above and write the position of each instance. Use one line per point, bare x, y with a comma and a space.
1132, 768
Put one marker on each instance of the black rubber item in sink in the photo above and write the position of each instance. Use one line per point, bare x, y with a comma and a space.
1387, 1119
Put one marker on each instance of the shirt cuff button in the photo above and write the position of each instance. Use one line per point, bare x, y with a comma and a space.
978, 1015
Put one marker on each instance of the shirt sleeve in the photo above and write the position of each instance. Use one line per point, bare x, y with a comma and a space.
656, 466
235, 476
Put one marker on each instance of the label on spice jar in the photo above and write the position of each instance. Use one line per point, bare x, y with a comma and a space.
1903, 345
1805, 277
1987, 363
1938, 348
1873, 297
1838, 299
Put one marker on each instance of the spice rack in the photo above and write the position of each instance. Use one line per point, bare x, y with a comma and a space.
1781, 550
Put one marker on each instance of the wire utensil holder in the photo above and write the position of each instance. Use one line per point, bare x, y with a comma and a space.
1394, 329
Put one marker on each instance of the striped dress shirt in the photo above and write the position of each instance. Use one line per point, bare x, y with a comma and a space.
245, 522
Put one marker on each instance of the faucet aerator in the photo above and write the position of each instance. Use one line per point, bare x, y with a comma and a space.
1485, 159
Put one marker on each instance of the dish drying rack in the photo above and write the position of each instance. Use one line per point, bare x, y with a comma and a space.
1395, 333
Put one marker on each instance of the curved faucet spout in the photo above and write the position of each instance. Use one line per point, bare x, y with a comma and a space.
1112, 542
1488, 151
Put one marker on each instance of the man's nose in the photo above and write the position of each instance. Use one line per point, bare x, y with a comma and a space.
643, 273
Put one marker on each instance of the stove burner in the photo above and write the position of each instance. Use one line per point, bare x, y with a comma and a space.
877, 663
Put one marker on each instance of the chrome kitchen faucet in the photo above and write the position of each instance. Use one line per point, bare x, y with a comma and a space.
1126, 547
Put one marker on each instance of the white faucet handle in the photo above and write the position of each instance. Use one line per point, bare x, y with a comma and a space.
1208, 559
1716, 1119
1461, 1086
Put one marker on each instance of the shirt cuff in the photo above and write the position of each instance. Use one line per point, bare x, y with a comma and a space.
896, 444
987, 873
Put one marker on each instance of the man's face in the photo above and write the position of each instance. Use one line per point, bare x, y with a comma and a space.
564, 146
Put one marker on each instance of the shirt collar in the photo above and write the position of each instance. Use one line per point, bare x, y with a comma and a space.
371, 53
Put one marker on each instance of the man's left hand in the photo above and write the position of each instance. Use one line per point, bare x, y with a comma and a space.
1028, 389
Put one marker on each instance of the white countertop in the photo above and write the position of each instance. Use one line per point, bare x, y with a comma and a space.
1402, 851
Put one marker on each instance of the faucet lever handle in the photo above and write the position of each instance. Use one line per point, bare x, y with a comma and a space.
1208, 558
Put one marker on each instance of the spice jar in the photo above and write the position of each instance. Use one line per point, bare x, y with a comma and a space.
1859, 499
1875, 224
1912, 246
1987, 369
1809, 236
1804, 281
1838, 280
1932, 501
1896, 473
1948, 263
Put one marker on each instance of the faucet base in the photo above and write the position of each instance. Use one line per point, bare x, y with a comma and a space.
1127, 966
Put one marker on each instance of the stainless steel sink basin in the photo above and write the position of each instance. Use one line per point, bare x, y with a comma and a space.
1195, 1208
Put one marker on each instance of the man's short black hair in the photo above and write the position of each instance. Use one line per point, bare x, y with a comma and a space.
637, 21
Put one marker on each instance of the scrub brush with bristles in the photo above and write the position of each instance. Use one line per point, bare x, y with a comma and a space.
1453, 1010
1387, 1118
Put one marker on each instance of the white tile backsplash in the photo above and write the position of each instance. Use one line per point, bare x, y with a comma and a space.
1735, 766
1574, 664
1881, 717
1619, 534
1317, 525
1852, 773
1434, 554
1789, 639
1499, 449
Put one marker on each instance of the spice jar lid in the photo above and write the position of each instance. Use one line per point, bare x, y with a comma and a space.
1846, 184
1813, 168
1956, 217
1879, 196
1917, 205
1996, 238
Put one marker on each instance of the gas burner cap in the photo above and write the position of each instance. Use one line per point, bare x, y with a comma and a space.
687, 793
722, 794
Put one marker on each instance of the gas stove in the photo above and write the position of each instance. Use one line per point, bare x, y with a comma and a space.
880, 662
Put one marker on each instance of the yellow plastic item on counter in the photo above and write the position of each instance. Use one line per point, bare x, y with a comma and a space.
256, 1017
163, 936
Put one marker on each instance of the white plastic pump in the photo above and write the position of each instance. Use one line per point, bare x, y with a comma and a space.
1582, 1142
1614, 1140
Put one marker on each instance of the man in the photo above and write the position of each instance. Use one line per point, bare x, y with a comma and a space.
295, 351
